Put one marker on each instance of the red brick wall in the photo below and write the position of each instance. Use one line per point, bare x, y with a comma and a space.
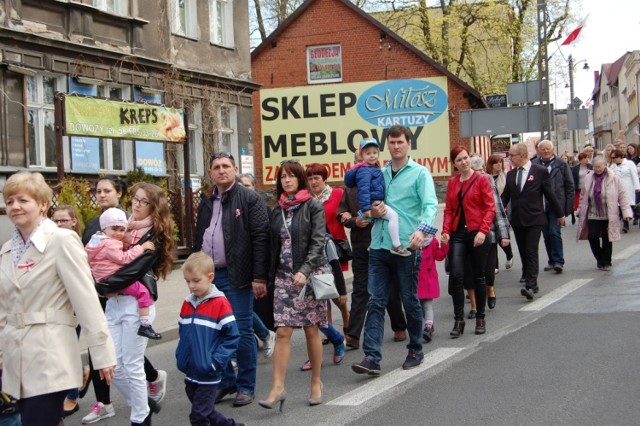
364, 58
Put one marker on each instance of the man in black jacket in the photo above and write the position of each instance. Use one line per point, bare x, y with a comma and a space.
563, 188
233, 228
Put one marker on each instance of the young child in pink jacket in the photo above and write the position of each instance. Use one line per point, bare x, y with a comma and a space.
107, 255
428, 283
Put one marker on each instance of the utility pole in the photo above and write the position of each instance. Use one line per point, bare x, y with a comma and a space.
546, 116
574, 139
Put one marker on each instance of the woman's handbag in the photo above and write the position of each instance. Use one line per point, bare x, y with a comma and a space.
324, 286
343, 247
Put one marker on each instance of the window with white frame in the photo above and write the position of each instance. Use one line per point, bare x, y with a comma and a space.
196, 152
41, 131
117, 7
115, 152
221, 22
227, 136
184, 18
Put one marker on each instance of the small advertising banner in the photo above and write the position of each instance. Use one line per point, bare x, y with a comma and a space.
87, 116
324, 64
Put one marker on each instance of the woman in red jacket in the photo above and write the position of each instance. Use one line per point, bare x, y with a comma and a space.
468, 214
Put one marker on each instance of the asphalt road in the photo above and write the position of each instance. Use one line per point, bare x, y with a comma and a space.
569, 357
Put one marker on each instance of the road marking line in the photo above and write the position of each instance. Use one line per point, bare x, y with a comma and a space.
394, 378
555, 295
627, 253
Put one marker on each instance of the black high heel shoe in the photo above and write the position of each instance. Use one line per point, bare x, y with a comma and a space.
270, 405
458, 329
491, 302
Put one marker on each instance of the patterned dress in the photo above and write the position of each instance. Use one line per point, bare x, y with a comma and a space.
288, 310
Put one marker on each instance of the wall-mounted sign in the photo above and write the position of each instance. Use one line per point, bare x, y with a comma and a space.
501, 143
85, 116
85, 154
150, 156
496, 101
325, 124
324, 64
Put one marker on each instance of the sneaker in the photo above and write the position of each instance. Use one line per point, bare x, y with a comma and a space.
527, 292
98, 412
306, 366
413, 360
606, 268
400, 251
548, 268
338, 354
427, 333
158, 389
148, 332
509, 263
268, 344
496, 271
366, 367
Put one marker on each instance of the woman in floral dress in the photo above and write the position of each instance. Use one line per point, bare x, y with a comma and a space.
297, 251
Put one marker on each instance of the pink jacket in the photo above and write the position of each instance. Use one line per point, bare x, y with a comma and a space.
107, 255
428, 283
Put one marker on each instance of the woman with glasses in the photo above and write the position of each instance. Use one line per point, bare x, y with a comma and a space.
599, 220
297, 229
65, 216
109, 191
150, 220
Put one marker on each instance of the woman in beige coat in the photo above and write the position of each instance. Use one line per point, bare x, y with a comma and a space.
44, 279
599, 219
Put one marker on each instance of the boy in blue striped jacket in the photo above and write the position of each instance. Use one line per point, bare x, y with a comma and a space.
208, 339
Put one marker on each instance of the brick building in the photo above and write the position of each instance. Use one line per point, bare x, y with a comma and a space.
331, 73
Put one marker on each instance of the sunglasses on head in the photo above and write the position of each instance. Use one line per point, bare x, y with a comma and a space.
292, 161
223, 154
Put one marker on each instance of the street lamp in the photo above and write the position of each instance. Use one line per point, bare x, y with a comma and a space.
572, 105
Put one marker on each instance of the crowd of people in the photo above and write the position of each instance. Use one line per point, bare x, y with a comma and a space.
252, 270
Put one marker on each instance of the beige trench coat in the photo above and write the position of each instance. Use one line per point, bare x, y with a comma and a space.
39, 351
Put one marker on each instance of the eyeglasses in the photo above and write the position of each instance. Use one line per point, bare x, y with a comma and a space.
61, 221
292, 161
143, 203
223, 154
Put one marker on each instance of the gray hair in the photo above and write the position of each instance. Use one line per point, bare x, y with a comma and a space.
546, 142
599, 159
249, 176
477, 163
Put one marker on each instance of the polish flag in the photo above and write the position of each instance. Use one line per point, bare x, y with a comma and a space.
575, 33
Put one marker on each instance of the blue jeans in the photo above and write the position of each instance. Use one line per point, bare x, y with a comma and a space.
382, 264
332, 334
241, 300
553, 239
258, 326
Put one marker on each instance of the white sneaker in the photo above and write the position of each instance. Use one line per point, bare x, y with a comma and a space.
269, 344
158, 389
98, 412
400, 251
509, 263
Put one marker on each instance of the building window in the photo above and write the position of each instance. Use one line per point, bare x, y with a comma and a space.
196, 152
184, 18
116, 7
41, 131
112, 151
221, 22
227, 137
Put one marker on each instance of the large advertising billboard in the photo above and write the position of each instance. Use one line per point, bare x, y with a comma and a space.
325, 124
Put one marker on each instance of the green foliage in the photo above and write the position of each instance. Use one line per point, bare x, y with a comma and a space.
77, 193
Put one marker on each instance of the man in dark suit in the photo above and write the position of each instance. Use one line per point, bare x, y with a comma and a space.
525, 187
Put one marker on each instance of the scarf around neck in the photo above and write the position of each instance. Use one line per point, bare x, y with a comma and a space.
293, 201
325, 194
597, 189
137, 228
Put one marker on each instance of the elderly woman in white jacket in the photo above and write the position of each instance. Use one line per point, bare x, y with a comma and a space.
628, 174
44, 279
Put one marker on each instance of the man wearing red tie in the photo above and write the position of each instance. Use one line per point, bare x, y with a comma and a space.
525, 187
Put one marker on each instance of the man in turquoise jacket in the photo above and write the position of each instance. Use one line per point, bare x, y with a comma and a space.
411, 193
